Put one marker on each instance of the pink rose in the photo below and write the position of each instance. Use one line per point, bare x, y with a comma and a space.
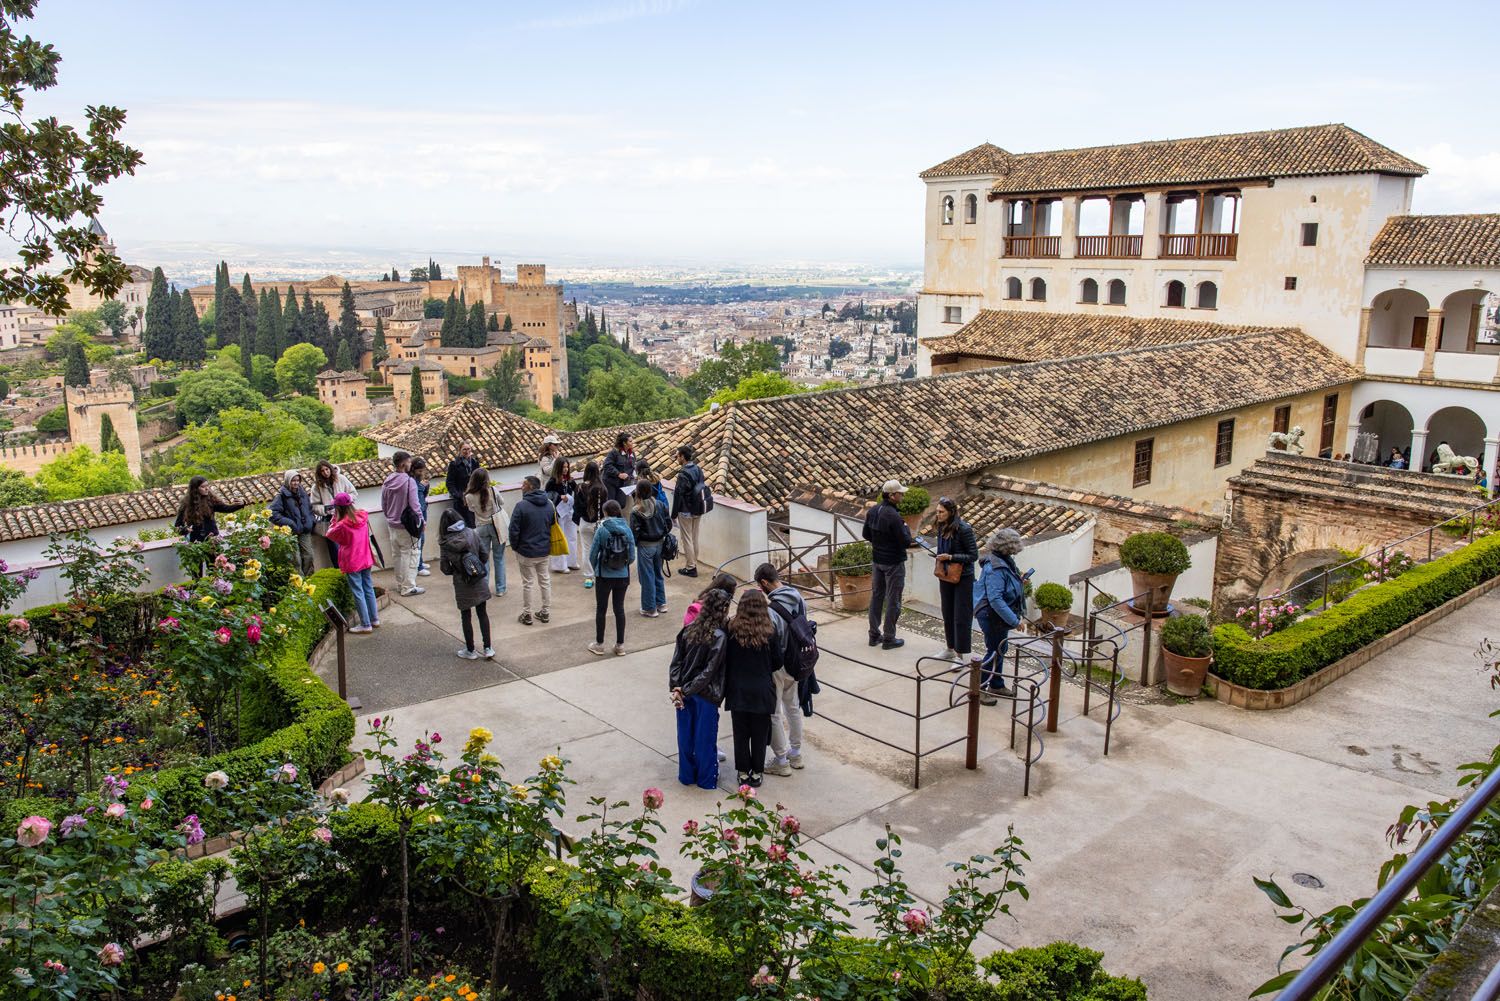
791, 824
147, 803
223, 635
795, 891
287, 773
252, 632
323, 834
20, 626
916, 920
115, 810
653, 798
777, 853
731, 836
265, 542
747, 791
691, 827
192, 829
111, 954
33, 831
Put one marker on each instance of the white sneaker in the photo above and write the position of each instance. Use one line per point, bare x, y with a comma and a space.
949, 654
619, 649
653, 613
413, 590
424, 572
795, 760
464, 653
723, 756
360, 629
778, 767
597, 649
489, 653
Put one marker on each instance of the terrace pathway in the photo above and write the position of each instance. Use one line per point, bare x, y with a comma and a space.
1146, 855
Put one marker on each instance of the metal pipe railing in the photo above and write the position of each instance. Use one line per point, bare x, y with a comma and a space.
1331, 958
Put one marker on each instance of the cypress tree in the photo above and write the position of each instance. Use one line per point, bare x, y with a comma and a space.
157, 337
109, 438
378, 351
418, 401
322, 334
395, 273
76, 368
189, 345
221, 285
344, 362
227, 325
249, 320
507, 326
450, 336
492, 323
169, 325
476, 334
265, 326
291, 321
348, 319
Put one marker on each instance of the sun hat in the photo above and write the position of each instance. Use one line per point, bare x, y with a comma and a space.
893, 487
342, 499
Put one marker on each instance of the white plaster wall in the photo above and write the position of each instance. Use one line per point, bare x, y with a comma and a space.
1053, 559
1197, 582
1404, 362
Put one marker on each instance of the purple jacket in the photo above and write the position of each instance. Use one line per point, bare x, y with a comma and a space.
397, 494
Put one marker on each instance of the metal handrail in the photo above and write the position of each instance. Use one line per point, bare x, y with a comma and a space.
1332, 957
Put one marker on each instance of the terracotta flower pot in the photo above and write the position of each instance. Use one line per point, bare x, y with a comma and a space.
1185, 675
854, 592
1054, 619
1158, 584
913, 521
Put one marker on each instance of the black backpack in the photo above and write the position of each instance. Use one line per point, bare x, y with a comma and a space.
616, 552
801, 654
669, 548
700, 497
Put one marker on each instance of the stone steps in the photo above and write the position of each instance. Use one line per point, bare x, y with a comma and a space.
1402, 488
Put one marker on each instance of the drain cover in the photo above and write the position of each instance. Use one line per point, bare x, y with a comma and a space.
1308, 880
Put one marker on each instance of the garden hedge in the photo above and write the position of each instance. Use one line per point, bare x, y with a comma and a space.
1288, 656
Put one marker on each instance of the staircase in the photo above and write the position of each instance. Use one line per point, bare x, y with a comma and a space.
1430, 494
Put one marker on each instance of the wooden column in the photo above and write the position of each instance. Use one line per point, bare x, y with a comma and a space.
1434, 334
1364, 335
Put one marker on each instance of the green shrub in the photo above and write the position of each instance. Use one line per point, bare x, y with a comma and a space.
914, 501
1155, 552
163, 387
1284, 658
853, 560
1053, 597
1061, 971
1187, 636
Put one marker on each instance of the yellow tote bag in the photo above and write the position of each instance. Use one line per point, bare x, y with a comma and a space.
559, 541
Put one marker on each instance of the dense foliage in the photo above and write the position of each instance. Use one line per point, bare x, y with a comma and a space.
1155, 553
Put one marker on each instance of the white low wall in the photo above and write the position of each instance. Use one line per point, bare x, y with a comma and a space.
1196, 582
1054, 558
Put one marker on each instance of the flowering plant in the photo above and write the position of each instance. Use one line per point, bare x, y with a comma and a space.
1387, 564
1266, 617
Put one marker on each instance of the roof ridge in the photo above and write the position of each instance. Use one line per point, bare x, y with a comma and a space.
1188, 139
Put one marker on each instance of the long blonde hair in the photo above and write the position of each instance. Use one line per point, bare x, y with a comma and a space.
751, 625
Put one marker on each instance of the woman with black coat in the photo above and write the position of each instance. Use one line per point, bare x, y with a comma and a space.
696, 679
195, 518
464, 551
750, 658
956, 544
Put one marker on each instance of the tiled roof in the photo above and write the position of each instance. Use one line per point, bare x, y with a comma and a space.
1024, 335
1445, 241
948, 425
1298, 152
986, 513
500, 437
986, 158
38, 520
1057, 494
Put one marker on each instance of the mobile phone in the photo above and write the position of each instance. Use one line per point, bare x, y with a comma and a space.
1028, 573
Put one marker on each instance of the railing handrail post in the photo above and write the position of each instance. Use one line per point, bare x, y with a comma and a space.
971, 747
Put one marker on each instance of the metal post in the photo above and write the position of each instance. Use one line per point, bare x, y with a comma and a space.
340, 627
1146, 643
916, 772
971, 748
1030, 723
1088, 661
1109, 710
1325, 590
1054, 679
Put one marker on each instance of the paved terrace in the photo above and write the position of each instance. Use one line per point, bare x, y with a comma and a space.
1146, 855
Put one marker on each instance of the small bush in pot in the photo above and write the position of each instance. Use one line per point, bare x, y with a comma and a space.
914, 501
1187, 636
1055, 602
851, 570
1155, 553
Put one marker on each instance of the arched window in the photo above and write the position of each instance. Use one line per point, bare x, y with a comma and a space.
1088, 291
1116, 292
947, 210
1208, 295
1038, 290
971, 208
1012, 288
1176, 293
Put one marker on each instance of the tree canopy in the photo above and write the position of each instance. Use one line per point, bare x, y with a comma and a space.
297, 370
628, 396
506, 386
208, 392
244, 442
759, 386
735, 363
418, 397
85, 473
17, 490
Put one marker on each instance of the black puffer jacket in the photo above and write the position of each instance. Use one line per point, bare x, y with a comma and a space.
293, 508
961, 547
531, 525
467, 591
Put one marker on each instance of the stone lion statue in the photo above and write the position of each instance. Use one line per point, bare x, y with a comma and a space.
1289, 441
1450, 463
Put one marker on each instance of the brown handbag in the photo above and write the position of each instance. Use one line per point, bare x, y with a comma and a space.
948, 571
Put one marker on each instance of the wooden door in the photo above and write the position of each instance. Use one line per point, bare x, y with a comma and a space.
1419, 332
1330, 417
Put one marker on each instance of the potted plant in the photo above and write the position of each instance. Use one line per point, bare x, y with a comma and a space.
1187, 648
851, 569
914, 504
1155, 560
1055, 602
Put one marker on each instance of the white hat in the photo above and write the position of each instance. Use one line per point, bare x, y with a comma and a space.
552, 439
893, 487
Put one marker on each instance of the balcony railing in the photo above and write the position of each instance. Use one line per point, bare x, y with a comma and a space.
1033, 246
1220, 246
1109, 246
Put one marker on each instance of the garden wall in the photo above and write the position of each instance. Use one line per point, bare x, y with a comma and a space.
1112, 578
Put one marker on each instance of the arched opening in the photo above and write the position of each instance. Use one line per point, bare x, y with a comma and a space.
1038, 290
1383, 426
1116, 292
1461, 428
1012, 288
1176, 294
1463, 316
971, 209
1299, 577
1208, 295
947, 210
1088, 291
1398, 319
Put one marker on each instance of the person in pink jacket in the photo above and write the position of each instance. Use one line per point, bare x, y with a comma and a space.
350, 531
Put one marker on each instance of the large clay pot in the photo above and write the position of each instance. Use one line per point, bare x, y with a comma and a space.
854, 592
1160, 586
1185, 675
914, 521
1054, 619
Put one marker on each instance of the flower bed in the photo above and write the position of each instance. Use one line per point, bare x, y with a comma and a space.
1283, 658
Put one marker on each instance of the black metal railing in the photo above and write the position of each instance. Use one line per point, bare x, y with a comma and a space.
1368, 919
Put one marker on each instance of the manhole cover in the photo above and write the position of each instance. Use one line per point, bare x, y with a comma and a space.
1308, 880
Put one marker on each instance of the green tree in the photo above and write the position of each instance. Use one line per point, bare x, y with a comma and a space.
308, 411
452, 335
263, 375
419, 275
378, 350
4, 387
249, 317
109, 438
85, 473
188, 344
628, 396
53, 420
507, 326
17, 490
60, 342
49, 187
157, 339
735, 362
321, 333
204, 394
351, 448
476, 333
434, 270
493, 323
348, 319
221, 286
344, 362
432, 309
297, 370
505, 386
759, 386
227, 322
244, 442
113, 315
418, 398
267, 319
76, 367
292, 331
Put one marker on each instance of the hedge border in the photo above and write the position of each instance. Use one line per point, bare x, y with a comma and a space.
1311, 644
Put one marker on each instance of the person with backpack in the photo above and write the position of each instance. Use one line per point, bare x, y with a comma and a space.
795, 633
531, 538
292, 508
404, 522
483, 501
610, 555
588, 511
999, 600
349, 531
650, 523
751, 657
465, 558
691, 500
696, 681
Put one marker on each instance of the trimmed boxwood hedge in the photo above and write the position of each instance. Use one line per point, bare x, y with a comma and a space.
1284, 658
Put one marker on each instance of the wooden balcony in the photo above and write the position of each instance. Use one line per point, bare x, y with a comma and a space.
1109, 246
1033, 246
1211, 246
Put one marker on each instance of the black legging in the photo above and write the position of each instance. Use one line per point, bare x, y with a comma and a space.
610, 591
484, 626
958, 614
752, 731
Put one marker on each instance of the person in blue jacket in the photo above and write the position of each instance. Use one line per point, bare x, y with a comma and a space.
999, 600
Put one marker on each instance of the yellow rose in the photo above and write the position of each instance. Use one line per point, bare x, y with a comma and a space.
551, 763
284, 529
295, 580
319, 967
252, 574
520, 792
341, 968
207, 601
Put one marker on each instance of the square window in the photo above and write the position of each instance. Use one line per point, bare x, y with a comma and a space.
1289, 283
1282, 423
1143, 450
1224, 443
953, 314
1309, 234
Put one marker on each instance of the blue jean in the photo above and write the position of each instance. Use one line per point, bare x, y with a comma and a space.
497, 555
648, 571
996, 641
698, 743
364, 597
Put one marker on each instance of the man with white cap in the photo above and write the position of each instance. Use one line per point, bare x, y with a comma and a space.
889, 539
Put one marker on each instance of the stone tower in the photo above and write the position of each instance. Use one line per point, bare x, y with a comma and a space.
87, 405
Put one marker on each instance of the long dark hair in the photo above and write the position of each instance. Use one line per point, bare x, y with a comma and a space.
417, 467
198, 503
591, 473
713, 615
721, 582
751, 625
951, 525
319, 479
479, 483
450, 518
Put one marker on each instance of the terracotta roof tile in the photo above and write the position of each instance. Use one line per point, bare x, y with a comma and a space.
1016, 335
987, 512
1445, 241
500, 437
986, 158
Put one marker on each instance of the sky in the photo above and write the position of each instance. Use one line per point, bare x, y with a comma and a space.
668, 131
